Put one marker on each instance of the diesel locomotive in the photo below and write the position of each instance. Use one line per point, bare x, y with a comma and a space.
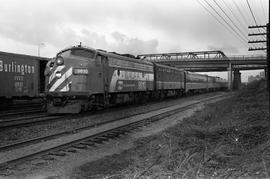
80, 78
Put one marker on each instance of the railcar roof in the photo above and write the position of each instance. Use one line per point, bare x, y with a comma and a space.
167, 66
8, 54
110, 54
76, 47
105, 53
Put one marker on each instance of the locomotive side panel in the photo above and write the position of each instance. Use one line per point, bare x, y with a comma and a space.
96, 75
129, 76
19, 75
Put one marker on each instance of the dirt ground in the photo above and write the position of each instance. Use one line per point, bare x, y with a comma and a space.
230, 138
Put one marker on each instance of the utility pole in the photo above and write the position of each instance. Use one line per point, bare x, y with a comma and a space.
262, 48
268, 60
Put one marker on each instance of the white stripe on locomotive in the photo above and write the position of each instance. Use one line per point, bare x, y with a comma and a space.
58, 69
66, 88
66, 75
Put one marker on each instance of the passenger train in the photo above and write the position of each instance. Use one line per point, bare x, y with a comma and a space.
81, 78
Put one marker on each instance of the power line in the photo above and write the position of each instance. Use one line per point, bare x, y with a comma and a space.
257, 11
240, 11
224, 20
263, 10
227, 27
252, 13
211, 13
241, 32
234, 15
253, 16
220, 21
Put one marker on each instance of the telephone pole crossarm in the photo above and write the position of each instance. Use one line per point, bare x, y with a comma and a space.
259, 26
257, 34
258, 41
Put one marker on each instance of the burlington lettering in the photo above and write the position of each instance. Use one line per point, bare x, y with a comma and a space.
16, 68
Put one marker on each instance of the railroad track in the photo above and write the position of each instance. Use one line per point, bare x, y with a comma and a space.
44, 118
20, 109
9, 114
27, 120
18, 105
84, 137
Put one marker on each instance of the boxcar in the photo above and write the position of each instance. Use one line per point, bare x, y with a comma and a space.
21, 75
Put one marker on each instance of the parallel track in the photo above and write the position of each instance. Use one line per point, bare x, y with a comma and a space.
27, 121
44, 118
119, 127
9, 114
20, 108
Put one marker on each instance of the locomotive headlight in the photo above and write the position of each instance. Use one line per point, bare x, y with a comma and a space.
58, 74
59, 61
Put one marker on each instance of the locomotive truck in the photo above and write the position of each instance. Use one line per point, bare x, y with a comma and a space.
81, 78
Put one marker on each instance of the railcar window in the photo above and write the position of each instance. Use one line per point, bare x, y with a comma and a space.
83, 53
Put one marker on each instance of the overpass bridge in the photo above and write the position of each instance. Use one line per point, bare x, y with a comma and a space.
208, 61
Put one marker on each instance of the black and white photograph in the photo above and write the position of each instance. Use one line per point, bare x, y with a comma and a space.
134, 89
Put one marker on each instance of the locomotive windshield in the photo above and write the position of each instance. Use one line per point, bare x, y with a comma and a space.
77, 52
83, 53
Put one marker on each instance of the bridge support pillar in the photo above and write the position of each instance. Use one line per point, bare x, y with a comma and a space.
230, 77
236, 79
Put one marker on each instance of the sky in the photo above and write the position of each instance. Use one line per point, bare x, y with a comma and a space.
128, 26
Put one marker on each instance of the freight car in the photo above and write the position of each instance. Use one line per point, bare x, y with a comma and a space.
80, 78
21, 76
